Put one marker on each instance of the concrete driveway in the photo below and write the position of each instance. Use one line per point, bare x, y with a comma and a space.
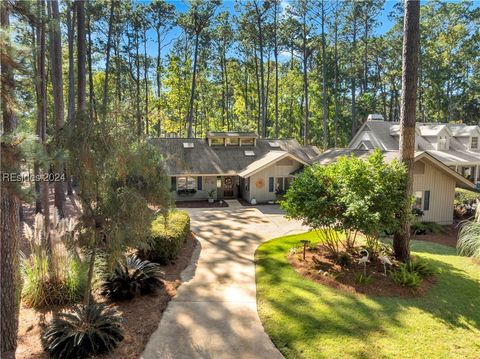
214, 314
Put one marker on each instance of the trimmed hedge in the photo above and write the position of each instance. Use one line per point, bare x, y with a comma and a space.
165, 242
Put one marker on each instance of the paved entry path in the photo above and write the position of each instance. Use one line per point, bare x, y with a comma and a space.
214, 314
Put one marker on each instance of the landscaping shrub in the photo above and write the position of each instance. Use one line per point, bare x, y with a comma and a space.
87, 330
344, 259
362, 279
465, 202
348, 197
404, 277
427, 227
131, 277
41, 288
469, 236
167, 237
56, 277
419, 266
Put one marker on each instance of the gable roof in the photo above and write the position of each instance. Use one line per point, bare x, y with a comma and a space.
385, 136
268, 159
462, 130
433, 129
331, 156
205, 160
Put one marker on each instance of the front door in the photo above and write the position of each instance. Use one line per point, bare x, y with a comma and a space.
227, 187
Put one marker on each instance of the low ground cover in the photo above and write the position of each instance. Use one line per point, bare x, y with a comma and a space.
306, 319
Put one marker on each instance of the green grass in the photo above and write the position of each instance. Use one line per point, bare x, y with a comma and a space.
309, 320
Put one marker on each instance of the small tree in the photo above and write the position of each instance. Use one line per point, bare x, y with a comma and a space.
372, 193
350, 195
313, 198
117, 182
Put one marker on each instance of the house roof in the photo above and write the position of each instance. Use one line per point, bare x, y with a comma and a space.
462, 130
385, 136
268, 159
433, 129
203, 159
331, 156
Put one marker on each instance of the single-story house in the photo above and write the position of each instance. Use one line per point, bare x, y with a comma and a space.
434, 182
232, 165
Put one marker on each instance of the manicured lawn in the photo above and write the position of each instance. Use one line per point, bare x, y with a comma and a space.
309, 320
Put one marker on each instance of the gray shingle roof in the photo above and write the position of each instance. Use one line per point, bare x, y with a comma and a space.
217, 160
333, 155
386, 134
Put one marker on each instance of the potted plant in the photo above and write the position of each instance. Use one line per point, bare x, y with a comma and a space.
211, 194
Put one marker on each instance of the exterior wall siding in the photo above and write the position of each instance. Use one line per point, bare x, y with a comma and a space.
442, 192
259, 181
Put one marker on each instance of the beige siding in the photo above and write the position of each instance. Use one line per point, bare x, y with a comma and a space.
442, 192
259, 181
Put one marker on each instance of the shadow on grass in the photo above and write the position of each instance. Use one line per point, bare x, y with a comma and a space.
453, 300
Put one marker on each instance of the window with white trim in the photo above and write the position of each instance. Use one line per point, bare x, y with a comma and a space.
442, 143
474, 143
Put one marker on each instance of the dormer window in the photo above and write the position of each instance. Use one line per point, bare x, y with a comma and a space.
217, 142
442, 143
474, 143
232, 141
248, 141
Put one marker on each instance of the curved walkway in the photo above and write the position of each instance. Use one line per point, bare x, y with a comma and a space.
214, 314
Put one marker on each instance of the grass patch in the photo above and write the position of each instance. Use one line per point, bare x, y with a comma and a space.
309, 320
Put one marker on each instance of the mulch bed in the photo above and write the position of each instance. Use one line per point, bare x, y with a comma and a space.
200, 204
141, 314
329, 273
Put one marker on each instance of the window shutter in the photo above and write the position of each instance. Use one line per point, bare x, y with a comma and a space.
270, 184
174, 183
199, 183
426, 201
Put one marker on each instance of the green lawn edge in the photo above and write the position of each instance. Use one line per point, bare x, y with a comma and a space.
309, 320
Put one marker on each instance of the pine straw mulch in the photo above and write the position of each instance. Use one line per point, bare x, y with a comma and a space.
325, 271
141, 314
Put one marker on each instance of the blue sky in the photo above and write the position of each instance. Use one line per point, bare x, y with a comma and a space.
384, 23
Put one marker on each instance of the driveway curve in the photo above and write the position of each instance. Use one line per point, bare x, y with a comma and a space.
214, 314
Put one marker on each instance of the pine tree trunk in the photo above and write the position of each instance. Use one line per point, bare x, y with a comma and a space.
335, 120
81, 60
159, 81
91, 89
9, 220
71, 83
401, 239
276, 65
58, 101
324, 82
145, 78
353, 84
192, 89
305, 82
107, 60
